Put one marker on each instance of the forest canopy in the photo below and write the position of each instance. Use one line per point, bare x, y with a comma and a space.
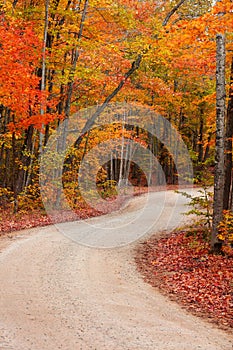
60, 57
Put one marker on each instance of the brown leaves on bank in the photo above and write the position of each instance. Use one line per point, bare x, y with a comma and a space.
181, 266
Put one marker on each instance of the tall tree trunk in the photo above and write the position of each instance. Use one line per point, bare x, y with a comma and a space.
61, 144
112, 176
200, 138
26, 159
228, 148
75, 55
14, 172
207, 149
220, 137
43, 69
121, 173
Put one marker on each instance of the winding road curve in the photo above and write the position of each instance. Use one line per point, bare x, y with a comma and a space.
57, 294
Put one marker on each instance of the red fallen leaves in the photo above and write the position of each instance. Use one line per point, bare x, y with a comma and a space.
12, 222
35, 218
182, 266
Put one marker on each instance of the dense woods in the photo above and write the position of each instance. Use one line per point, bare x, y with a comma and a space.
60, 57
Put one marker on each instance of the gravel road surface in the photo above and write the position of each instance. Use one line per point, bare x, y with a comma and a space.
56, 293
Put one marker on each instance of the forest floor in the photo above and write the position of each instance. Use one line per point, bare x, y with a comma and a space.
28, 217
57, 294
181, 266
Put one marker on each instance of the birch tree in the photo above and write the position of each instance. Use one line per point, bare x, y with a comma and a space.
220, 138
227, 200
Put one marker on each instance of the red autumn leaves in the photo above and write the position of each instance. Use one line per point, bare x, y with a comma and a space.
182, 266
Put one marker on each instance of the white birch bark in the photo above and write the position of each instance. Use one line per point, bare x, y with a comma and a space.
220, 138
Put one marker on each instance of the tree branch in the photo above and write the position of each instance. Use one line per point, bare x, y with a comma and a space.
171, 13
90, 122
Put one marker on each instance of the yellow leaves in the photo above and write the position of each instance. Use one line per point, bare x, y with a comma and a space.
221, 237
225, 228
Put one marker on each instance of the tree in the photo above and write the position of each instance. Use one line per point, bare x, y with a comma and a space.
220, 138
227, 200
79, 54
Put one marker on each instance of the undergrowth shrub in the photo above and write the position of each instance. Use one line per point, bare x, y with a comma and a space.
225, 230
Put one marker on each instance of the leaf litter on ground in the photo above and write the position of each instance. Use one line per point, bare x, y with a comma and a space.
181, 266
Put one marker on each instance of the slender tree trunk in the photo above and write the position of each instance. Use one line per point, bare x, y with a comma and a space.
43, 69
116, 168
61, 144
74, 63
228, 148
14, 170
122, 157
112, 177
219, 153
26, 158
207, 149
151, 163
126, 175
4, 150
200, 138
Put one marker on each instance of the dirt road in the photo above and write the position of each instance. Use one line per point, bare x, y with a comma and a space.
57, 294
